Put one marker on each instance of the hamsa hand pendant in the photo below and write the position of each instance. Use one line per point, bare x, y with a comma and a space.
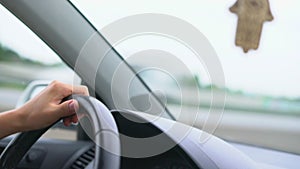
251, 16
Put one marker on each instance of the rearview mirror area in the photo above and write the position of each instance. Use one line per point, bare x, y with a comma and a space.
31, 91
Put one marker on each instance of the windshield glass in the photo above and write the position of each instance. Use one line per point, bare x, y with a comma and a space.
25, 59
261, 85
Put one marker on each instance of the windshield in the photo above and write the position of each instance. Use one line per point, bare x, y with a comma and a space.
26, 59
262, 94
270, 72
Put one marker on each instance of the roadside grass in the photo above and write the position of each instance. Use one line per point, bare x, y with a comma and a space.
15, 86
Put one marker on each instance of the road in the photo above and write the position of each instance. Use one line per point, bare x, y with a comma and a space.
23, 74
8, 98
281, 132
266, 130
272, 130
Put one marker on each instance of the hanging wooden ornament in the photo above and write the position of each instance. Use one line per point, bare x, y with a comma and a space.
251, 16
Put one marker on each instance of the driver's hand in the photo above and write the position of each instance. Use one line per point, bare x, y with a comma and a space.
46, 108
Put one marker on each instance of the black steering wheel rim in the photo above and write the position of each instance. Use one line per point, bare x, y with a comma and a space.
106, 156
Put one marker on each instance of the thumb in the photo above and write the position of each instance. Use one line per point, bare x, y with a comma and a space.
68, 108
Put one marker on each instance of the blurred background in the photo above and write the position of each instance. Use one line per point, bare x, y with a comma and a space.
263, 94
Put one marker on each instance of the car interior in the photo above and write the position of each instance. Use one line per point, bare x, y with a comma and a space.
139, 115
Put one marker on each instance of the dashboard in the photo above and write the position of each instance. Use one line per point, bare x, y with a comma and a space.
60, 154
50, 153
67, 154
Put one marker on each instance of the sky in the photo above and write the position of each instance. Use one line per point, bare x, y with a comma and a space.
273, 69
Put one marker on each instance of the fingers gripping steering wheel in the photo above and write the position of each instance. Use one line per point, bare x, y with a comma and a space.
103, 131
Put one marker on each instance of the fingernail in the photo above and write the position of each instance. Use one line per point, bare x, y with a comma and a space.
75, 124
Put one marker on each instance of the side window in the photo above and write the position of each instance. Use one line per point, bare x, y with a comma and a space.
25, 58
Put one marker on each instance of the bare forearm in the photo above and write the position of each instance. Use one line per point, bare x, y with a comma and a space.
10, 122
43, 110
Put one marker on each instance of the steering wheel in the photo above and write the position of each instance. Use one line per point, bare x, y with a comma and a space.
103, 130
